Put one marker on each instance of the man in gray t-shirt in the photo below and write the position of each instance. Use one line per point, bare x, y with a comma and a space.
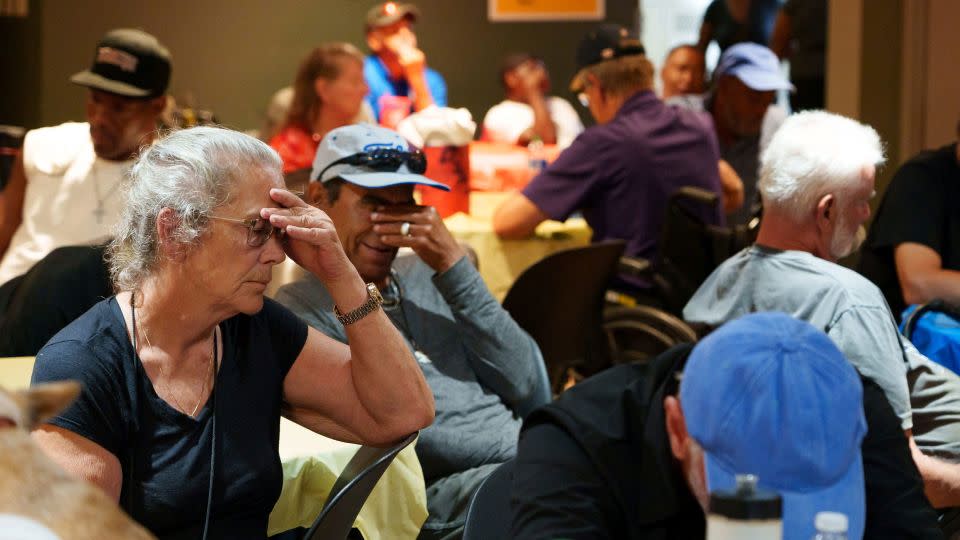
481, 366
817, 179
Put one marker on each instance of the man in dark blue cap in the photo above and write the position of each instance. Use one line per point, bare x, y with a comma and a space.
620, 173
635, 451
65, 188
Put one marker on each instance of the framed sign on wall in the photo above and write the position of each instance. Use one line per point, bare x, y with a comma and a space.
545, 10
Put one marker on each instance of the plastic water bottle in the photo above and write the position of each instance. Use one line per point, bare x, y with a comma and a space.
830, 526
537, 157
746, 513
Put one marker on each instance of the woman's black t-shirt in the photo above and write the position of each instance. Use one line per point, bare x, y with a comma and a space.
165, 454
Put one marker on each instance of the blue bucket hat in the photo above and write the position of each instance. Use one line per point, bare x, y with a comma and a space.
772, 396
355, 139
755, 65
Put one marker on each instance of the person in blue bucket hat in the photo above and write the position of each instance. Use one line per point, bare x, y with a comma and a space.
635, 451
784, 405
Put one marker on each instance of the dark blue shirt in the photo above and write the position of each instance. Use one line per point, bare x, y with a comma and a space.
380, 83
165, 454
622, 173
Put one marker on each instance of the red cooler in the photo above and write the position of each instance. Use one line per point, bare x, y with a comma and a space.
448, 165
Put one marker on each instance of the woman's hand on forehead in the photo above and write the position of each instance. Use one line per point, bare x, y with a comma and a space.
312, 240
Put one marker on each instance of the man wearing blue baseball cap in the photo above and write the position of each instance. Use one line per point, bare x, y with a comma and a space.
635, 451
482, 368
746, 81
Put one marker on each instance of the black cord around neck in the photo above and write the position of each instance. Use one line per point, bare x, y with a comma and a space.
213, 423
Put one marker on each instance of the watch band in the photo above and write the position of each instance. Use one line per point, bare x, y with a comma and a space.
374, 300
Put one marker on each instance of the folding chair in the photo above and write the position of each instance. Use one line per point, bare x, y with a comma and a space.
489, 513
351, 490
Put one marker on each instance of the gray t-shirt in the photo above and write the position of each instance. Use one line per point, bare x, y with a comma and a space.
475, 358
852, 311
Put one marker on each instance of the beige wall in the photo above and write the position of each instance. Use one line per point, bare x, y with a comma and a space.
942, 106
845, 36
231, 55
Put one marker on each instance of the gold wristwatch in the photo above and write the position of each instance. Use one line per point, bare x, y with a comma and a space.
374, 300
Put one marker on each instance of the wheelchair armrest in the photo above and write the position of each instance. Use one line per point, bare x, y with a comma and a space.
635, 267
699, 195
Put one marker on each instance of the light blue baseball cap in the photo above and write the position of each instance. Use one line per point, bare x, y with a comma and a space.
364, 138
772, 396
755, 65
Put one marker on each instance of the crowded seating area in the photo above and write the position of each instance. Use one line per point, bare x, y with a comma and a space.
675, 280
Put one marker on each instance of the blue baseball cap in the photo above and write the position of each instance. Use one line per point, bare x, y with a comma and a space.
772, 396
355, 139
755, 65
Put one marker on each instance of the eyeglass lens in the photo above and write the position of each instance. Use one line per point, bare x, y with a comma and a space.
260, 230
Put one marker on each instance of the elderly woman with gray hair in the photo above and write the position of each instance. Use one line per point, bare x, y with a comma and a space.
187, 369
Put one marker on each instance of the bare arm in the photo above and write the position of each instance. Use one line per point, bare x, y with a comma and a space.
373, 391
81, 458
941, 480
11, 204
517, 217
706, 35
780, 38
922, 276
422, 98
543, 127
731, 187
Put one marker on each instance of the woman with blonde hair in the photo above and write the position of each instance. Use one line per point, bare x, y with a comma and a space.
327, 93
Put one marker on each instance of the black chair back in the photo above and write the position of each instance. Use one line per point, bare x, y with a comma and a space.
489, 513
690, 249
559, 302
351, 490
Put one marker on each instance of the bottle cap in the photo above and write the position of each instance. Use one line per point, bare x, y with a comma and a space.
833, 522
746, 502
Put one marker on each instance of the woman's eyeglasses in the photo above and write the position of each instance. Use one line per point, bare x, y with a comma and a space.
383, 160
259, 230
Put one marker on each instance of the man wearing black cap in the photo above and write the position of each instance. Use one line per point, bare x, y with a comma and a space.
620, 173
64, 188
397, 67
529, 112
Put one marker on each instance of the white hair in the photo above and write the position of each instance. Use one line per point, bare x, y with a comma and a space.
815, 153
191, 171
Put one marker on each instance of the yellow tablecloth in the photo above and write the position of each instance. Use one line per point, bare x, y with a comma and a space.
502, 261
397, 507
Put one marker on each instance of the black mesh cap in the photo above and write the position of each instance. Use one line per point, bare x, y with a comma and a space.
387, 13
607, 42
128, 62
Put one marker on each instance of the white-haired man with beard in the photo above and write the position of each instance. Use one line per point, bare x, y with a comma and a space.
817, 179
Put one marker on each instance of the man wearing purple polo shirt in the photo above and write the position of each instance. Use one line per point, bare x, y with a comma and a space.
621, 172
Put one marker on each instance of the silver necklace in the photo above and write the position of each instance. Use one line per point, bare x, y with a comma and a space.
99, 212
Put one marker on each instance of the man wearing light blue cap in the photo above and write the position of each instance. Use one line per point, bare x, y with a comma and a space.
482, 368
634, 451
746, 81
